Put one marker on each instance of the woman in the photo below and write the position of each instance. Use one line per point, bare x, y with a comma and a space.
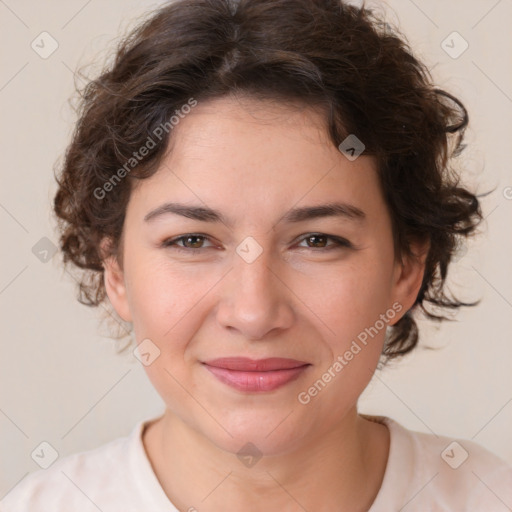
264, 190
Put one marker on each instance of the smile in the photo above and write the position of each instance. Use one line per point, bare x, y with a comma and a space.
256, 376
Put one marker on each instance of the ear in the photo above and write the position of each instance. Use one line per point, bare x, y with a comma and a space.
408, 276
114, 281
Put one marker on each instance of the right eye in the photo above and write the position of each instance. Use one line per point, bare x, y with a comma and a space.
191, 242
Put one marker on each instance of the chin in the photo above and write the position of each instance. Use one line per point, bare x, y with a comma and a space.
263, 433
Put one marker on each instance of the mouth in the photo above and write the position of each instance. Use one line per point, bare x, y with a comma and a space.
251, 375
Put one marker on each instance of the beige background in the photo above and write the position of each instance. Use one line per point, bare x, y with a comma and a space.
62, 381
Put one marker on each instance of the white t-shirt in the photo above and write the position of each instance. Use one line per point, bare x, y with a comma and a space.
419, 477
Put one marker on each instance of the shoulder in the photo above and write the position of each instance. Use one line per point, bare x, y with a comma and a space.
435, 472
77, 482
461, 463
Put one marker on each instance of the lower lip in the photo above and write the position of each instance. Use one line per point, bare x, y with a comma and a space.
256, 381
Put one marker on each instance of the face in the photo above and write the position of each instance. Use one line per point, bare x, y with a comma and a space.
262, 275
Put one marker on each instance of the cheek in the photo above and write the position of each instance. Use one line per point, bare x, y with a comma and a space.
161, 296
348, 298
164, 303
355, 313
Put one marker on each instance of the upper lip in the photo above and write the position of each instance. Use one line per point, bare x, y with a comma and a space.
255, 365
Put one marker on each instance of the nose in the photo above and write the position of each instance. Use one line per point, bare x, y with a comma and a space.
255, 299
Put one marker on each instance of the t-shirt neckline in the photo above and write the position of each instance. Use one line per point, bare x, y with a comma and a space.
152, 490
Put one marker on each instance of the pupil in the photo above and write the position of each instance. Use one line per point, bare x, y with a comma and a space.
317, 237
197, 238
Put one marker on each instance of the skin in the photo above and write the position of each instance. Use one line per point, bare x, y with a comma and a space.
254, 160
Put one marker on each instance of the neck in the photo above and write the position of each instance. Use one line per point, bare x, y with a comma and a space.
344, 465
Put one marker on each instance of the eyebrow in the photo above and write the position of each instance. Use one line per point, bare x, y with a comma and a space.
301, 214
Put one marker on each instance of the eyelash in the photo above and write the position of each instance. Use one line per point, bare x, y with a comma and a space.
338, 242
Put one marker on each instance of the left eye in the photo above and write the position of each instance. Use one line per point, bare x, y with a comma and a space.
320, 241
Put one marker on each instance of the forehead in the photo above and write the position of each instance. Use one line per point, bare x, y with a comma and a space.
252, 158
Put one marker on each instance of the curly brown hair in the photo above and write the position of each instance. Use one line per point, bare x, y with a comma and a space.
341, 58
